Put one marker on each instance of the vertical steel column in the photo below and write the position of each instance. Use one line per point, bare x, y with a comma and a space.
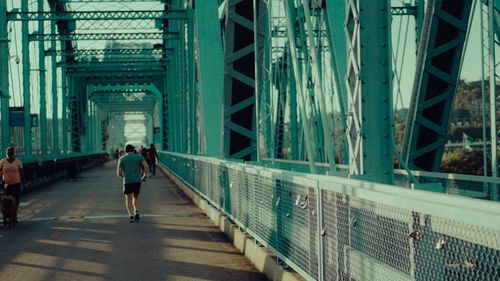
55, 105
26, 79
97, 128
292, 97
4, 76
42, 81
318, 87
369, 89
64, 97
89, 140
181, 75
299, 89
192, 102
88, 121
335, 18
419, 21
493, 97
164, 110
262, 91
210, 75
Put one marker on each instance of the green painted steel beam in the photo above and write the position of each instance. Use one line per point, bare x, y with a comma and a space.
317, 80
26, 87
116, 68
437, 75
108, 1
132, 53
404, 11
97, 15
105, 36
55, 98
268, 142
4, 77
239, 81
210, 63
335, 18
128, 75
117, 64
42, 86
369, 76
124, 88
310, 145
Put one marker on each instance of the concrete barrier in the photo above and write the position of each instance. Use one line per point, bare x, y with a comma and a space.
263, 259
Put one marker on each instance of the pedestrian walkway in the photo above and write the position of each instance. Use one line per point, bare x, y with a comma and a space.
79, 230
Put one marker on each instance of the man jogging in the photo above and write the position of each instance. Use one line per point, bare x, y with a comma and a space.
133, 169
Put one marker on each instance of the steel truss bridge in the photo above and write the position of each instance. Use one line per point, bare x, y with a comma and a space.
279, 113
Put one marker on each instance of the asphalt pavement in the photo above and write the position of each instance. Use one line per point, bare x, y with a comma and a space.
78, 229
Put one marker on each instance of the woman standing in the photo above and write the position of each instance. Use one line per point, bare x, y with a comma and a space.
11, 171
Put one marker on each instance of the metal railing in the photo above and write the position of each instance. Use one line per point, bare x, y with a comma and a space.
335, 228
40, 172
465, 185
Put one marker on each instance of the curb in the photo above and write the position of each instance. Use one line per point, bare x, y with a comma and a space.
263, 259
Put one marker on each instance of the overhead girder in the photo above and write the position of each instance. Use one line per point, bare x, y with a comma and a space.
105, 36
97, 15
404, 11
130, 74
107, 1
106, 52
436, 78
126, 108
113, 105
115, 64
147, 87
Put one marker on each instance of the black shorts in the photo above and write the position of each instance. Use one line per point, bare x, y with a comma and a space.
134, 187
14, 190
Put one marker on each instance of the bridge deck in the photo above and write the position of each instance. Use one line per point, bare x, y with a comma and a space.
79, 230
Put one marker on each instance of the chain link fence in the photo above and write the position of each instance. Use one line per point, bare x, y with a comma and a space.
333, 228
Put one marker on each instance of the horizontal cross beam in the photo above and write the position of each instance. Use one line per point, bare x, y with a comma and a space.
16, 15
108, 1
118, 74
404, 11
105, 36
124, 66
105, 52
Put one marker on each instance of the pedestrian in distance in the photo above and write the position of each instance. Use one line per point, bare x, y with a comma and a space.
11, 171
152, 159
144, 153
132, 169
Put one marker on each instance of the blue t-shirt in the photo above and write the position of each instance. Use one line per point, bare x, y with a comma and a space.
131, 164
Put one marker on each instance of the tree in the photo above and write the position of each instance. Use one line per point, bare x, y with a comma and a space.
463, 162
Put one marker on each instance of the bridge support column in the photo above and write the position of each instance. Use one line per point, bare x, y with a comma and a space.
369, 89
26, 80
493, 96
210, 73
55, 103
42, 81
64, 96
4, 76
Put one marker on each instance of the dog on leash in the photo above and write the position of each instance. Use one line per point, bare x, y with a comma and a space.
8, 205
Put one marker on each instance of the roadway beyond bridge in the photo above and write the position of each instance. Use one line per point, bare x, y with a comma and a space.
79, 230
